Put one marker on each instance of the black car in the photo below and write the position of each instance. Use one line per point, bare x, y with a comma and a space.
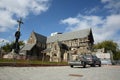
93, 60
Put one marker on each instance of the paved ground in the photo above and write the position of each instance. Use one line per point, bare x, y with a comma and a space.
60, 73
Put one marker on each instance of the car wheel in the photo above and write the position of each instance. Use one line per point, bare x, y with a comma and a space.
93, 65
84, 65
99, 65
71, 66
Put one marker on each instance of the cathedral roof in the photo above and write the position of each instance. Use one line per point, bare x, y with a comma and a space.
28, 47
39, 37
69, 35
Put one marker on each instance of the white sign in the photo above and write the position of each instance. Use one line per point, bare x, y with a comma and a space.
103, 55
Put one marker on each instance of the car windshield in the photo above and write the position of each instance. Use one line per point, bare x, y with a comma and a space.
88, 56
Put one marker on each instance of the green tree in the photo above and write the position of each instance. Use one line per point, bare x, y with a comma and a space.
109, 45
117, 55
21, 43
8, 47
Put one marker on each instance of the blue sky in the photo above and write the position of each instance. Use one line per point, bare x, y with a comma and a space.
48, 16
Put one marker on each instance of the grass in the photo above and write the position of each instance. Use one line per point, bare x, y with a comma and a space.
31, 62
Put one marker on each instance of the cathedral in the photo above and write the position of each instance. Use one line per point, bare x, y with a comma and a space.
59, 47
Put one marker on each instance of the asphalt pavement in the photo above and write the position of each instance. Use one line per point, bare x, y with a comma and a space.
60, 73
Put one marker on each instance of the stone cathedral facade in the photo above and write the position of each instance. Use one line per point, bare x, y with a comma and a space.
60, 46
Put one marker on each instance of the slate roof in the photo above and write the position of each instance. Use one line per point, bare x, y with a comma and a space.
46, 50
69, 35
40, 38
28, 47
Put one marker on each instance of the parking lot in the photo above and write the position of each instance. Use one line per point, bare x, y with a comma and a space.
60, 73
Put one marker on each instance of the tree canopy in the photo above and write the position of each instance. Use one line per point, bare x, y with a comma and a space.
9, 46
109, 45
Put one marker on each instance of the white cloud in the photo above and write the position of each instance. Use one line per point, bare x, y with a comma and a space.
19, 8
6, 21
3, 41
92, 10
103, 28
25, 41
70, 21
112, 5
